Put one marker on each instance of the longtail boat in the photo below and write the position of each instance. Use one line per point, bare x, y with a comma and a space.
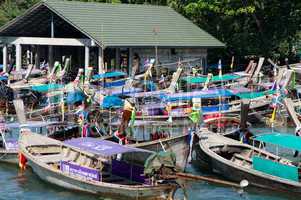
242, 78
9, 134
162, 136
214, 101
238, 161
92, 165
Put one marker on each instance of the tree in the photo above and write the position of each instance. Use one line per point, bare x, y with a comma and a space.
247, 27
9, 9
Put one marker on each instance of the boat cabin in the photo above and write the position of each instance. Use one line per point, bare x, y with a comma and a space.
95, 160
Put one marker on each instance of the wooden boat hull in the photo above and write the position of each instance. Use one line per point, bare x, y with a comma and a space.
200, 159
53, 175
235, 172
179, 145
257, 106
107, 191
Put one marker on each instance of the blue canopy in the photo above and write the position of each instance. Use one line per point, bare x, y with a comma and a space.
109, 75
285, 140
131, 91
75, 96
211, 93
112, 101
101, 147
31, 124
116, 83
3, 78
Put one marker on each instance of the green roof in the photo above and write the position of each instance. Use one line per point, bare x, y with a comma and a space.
131, 24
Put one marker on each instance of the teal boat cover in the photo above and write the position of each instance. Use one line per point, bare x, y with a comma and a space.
3, 78
75, 97
46, 87
198, 80
285, 140
254, 95
275, 168
109, 75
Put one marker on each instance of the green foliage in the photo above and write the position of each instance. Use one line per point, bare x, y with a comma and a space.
10, 9
247, 27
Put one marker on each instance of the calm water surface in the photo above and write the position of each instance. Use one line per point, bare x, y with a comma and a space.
17, 185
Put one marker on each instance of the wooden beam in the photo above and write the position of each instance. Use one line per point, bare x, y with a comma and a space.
5, 58
48, 41
257, 70
100, 61
87, 57
18, 57
289, 104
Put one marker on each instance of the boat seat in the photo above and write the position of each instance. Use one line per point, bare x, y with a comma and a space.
247, 154
236, 155
66, 152
73, 155
89, 162
52, 158
81, 160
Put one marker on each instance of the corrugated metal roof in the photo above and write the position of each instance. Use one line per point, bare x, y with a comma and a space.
132, 25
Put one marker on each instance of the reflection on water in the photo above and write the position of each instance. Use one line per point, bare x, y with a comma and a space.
26, 185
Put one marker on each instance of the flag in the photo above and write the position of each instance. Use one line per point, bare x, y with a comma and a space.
2, 126
58, 69
195, 116
205, 88
293, 82
133, 117
220, 68
232, 63
274, 86
273, 115
146, 62
162, 79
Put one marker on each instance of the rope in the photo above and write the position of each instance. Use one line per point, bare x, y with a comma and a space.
3, 155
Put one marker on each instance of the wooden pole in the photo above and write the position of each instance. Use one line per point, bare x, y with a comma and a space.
289, 104
192, 177
5, 58
245, 105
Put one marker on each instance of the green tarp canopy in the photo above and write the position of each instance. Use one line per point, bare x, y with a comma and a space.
254, 95
156, 160
198, 80
285, 140
275, 168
